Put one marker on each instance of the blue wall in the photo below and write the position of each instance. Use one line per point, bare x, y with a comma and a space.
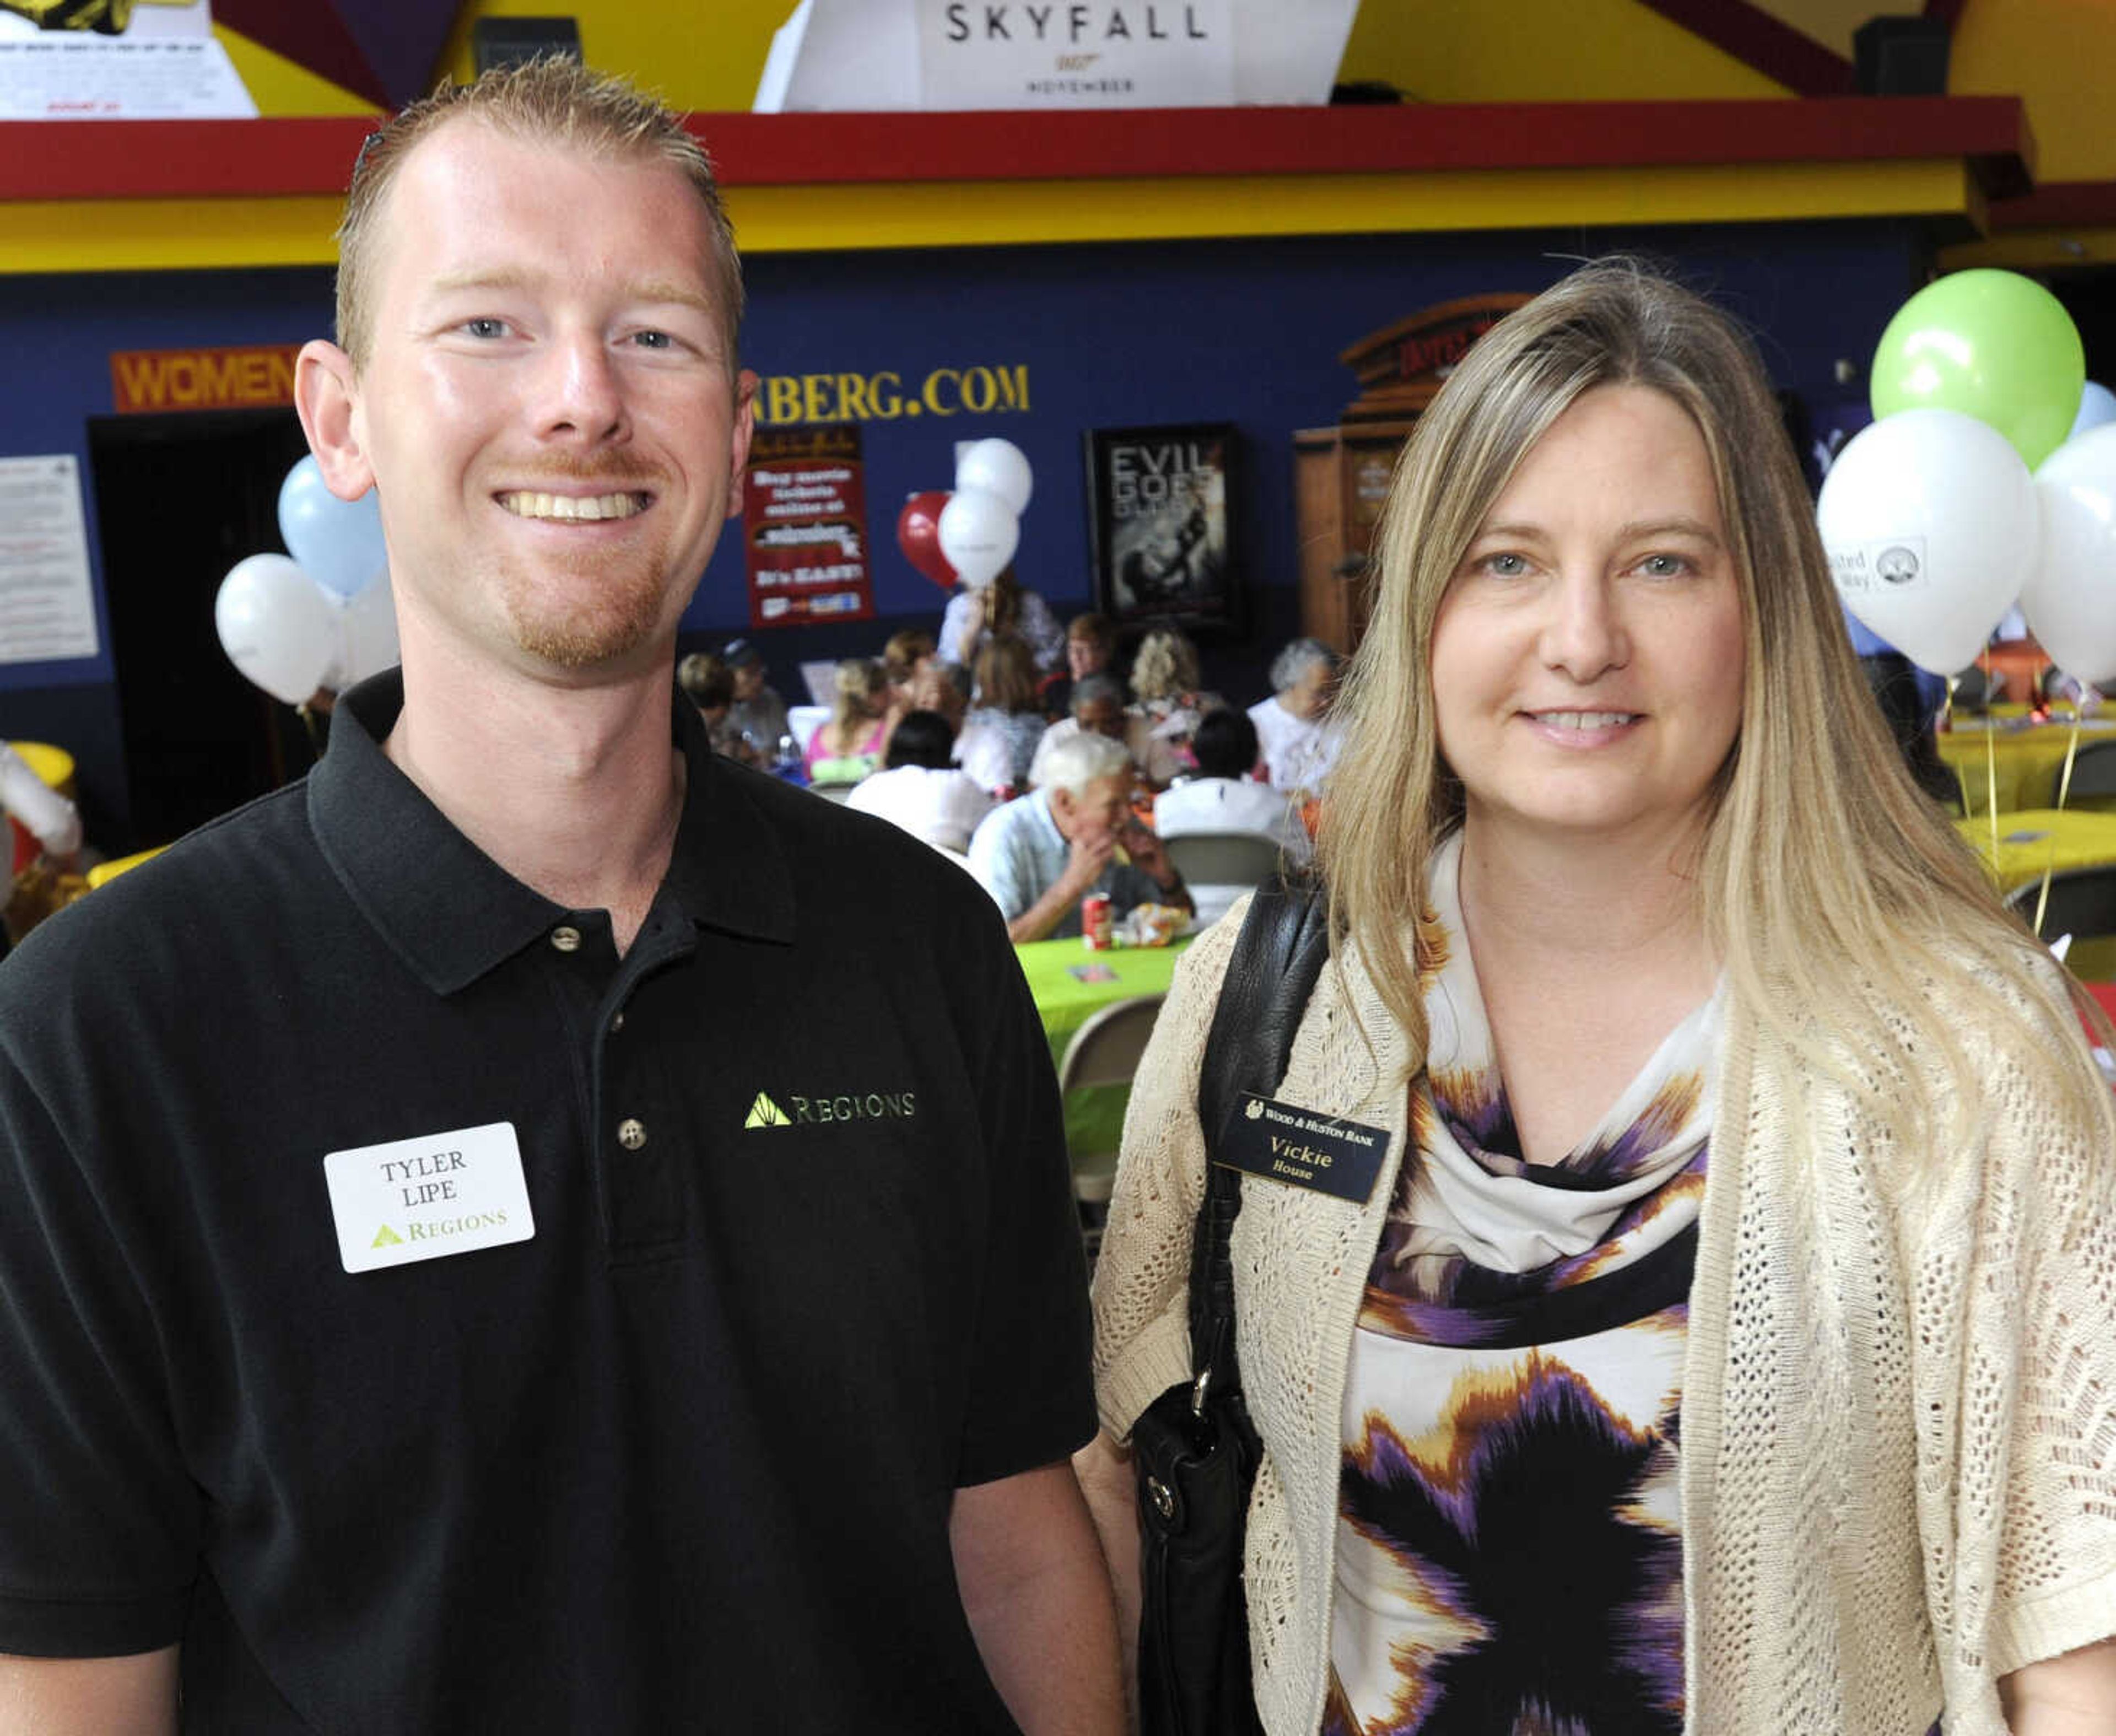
1244, 332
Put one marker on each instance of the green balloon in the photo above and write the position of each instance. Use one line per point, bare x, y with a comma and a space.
1991, 344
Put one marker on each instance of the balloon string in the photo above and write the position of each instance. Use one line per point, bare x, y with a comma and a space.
1990, 760
1946, 721
2063, 790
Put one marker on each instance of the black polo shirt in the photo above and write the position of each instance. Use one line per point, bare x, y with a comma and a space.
803, 1262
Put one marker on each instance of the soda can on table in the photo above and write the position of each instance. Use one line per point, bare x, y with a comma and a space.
1096, 922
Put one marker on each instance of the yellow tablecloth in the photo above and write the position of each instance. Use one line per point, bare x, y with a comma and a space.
2033, 839
2025, 761
1068, 982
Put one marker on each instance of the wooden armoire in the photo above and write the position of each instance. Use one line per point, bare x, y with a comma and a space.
1341, 475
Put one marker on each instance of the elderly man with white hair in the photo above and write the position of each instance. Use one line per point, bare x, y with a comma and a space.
1038, 856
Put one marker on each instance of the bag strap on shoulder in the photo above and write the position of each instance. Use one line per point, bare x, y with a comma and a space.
1277, 958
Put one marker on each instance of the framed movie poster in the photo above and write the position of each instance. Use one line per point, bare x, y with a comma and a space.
1158, 519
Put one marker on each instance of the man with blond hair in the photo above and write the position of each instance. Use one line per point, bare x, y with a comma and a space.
484, 1242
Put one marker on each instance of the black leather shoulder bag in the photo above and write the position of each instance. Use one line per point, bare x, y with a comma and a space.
1195, 1450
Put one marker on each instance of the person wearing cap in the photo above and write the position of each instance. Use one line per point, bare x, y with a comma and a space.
758, 716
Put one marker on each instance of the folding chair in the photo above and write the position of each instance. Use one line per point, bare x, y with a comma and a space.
2082, 904
1973, 690
2093, 782
1223, 858
1105, 1051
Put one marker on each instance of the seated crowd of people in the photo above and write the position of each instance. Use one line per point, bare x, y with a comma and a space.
1027, 752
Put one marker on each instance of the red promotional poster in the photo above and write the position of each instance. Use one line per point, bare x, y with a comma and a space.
804, 527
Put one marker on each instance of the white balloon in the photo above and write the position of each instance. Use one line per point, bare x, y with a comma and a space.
277, 625
2097, 406
978, 535
2070, 597
366, 636
999, 467
1931, 521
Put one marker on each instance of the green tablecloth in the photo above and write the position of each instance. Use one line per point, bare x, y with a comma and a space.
1094, 1117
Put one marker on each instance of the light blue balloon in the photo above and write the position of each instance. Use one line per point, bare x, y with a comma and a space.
339, 543
2097, 404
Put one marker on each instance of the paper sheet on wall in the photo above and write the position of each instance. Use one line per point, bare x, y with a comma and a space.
1017, 54
856, 55
60, 60
1147, 54
47, 601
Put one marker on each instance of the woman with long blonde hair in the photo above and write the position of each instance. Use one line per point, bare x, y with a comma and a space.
1727, 1340
1167, 702
849, 743
999, 731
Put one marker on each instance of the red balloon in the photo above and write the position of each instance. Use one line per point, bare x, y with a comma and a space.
918, 535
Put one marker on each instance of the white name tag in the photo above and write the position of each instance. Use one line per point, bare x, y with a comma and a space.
420, 1199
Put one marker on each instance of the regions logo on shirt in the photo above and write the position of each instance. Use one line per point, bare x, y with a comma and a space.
813, 1111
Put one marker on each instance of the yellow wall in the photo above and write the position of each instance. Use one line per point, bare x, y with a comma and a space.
2060, 55
1533, 51
1829, 22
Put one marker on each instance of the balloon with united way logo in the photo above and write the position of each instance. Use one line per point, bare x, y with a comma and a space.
1930, 521
2070, 597
339, 543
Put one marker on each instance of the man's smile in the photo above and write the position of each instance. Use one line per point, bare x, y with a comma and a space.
527, 504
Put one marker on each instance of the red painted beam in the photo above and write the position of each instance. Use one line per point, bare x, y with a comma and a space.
1764, 42
136, 159
178, 160
759, 149
2058, 204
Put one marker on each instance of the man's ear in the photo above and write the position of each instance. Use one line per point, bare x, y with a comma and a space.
745, 423
327, 394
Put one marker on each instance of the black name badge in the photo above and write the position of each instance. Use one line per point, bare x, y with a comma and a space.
1301, 1148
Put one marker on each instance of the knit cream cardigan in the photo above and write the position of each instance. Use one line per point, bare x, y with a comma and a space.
1898, 1469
